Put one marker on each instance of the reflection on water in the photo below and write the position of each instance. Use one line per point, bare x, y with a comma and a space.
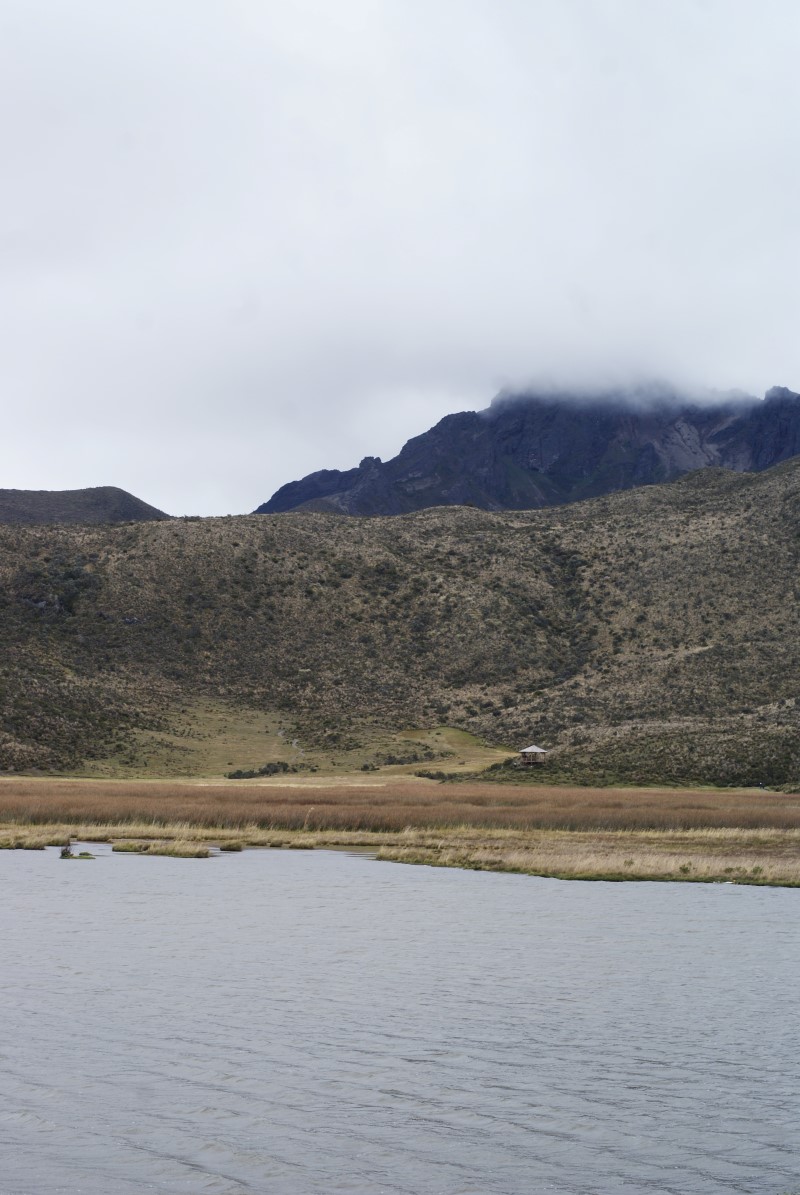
299, 1022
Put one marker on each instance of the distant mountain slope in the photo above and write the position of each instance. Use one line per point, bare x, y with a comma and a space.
531, 451
652, 635
100, 504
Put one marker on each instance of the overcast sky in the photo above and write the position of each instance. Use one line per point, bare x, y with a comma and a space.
241, 240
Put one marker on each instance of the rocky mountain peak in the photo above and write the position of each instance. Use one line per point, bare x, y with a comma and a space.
545, 449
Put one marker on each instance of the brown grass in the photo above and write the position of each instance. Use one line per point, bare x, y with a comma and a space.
722, 855
391, 807
176, 848
571, 833
765, 856
25, 840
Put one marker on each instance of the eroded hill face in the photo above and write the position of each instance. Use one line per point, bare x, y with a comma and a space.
99, 504
647, 636
532, 451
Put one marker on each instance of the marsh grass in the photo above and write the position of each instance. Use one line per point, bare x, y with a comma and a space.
659, 834
391, 806
24, 841
771, 858
728, 855
175, 849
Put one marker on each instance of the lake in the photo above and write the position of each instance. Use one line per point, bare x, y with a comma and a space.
296, 1022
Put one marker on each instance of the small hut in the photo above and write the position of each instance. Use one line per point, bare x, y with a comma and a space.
531, 755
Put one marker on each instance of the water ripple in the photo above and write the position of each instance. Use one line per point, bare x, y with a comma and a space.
305, 1022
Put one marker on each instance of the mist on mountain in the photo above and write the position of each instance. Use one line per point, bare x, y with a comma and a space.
529, 450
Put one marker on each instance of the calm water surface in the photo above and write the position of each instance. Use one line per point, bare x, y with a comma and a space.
303, 1022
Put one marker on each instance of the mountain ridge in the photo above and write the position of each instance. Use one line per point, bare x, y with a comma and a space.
528, 451
94, 504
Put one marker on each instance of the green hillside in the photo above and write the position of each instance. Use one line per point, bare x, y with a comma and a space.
647, 636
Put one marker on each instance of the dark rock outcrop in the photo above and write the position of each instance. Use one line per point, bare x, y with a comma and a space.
533, 450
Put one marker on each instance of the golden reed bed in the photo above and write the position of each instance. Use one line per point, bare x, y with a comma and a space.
735, 836
394, 806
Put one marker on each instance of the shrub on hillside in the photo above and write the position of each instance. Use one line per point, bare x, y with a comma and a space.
269, 769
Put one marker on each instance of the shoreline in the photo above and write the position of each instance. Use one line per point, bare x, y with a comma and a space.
612, 834
762, 858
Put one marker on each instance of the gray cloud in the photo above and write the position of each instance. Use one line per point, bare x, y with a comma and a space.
242, 241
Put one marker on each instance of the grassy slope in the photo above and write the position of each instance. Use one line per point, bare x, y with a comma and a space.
651, 636
209, 738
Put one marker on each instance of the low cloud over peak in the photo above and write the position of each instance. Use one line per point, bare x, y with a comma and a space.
243, 242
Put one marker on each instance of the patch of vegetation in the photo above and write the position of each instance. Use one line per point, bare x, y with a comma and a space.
401, 802
621, 633
275, 768
175, 849
612, 834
